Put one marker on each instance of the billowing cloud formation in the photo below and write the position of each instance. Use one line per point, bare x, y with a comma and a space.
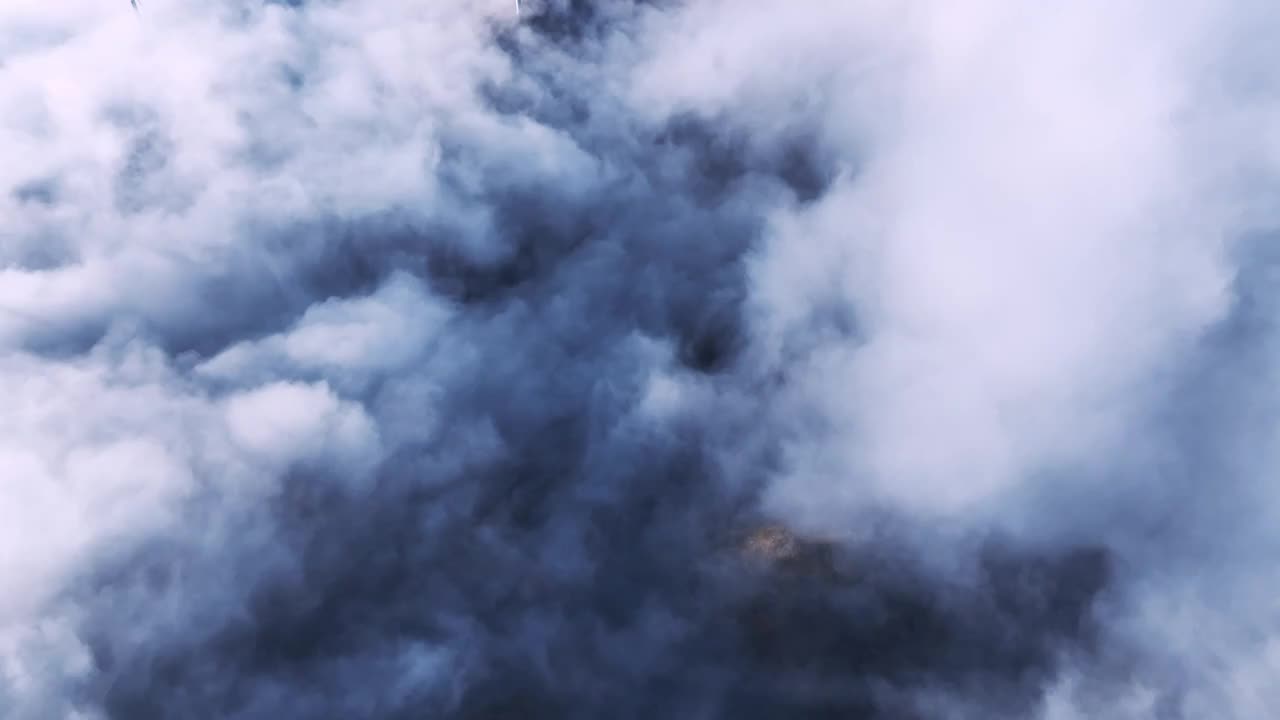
413, 359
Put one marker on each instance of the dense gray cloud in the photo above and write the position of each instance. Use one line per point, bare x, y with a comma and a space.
405, 359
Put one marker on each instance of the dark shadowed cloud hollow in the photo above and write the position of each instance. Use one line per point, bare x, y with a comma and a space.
696, 360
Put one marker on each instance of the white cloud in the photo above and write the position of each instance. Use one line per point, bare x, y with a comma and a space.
1028, 230
284, 422
144, 155
1037, 214
342, 339
1040, 215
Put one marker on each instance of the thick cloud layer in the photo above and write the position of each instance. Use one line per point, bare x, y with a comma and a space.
638, 359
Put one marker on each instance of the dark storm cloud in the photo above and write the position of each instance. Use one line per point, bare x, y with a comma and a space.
406, 360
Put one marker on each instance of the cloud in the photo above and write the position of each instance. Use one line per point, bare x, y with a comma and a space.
407, 359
